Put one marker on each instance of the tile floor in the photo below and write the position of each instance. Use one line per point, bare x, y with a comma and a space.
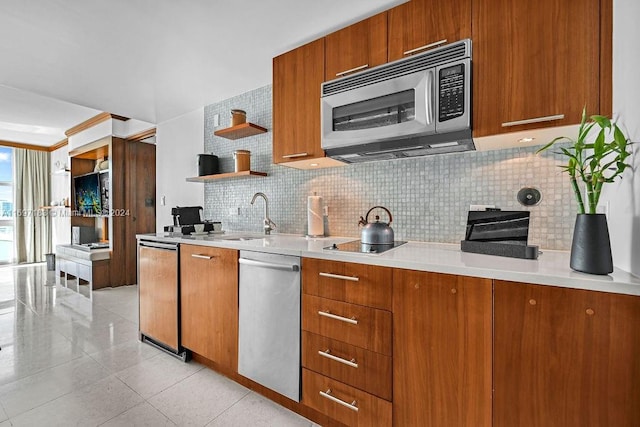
67, 360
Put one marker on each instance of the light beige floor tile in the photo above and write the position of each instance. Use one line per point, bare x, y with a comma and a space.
143, 415
198, 399
88, 406
156, 374
257, 411
27, 393
3, 416
123, 356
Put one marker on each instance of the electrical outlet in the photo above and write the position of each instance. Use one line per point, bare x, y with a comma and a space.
325, 210
163, 201
216, 120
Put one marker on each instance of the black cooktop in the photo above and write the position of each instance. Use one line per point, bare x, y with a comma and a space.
364, 248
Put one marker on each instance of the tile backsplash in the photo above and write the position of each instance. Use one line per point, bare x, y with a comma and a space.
429, 197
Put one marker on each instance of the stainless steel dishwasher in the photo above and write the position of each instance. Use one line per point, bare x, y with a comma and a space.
269, 327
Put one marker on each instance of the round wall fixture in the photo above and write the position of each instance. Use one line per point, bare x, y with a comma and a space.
529, 196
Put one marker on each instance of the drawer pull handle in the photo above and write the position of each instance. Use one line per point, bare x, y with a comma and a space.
328, 314
327, 395
201, 256
328, 355
534, 120
338, 276
352, 70
425, 47
293, 156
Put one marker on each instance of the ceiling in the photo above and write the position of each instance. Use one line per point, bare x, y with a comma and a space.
64, 61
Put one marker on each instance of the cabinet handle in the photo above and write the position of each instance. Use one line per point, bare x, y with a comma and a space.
338, 276
328, 314
201, 256
327, 395
328, 355
293, 156
425, 47
352, 70
534, 120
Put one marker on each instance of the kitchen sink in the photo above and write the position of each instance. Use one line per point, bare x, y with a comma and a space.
240, 238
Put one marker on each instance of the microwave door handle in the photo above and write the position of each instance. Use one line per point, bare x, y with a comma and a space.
429, 98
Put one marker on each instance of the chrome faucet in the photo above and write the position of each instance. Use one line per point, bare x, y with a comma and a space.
268, 224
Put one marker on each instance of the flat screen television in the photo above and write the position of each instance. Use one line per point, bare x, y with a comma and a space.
87, 192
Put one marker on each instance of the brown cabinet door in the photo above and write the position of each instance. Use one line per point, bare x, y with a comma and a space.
362, 284
534, 60
441, 350
565, 357
364, 327
341, 402
158, 294
209, 303
357, 47
297, 76
355, 366
421, 23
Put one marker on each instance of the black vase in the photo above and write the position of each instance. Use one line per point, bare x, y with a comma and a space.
591, 247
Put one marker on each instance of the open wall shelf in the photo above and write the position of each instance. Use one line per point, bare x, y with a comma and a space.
240, 131
229, 175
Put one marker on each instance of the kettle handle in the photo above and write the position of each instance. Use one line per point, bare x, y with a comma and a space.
381, 207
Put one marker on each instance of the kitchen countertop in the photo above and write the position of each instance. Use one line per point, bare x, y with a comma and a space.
551, 268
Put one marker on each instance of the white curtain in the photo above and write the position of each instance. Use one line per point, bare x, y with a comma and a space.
33, 226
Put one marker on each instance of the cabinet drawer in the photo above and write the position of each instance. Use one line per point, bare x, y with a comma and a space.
352, 365
364, 327
84, 272
356, 283
344, 403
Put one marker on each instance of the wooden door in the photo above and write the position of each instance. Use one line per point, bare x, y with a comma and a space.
357, 47
422, 23
534, 60
158, 293
209, 303
565, 357
297, 76
441, 350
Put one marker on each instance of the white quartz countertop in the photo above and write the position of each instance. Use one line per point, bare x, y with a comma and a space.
551, 267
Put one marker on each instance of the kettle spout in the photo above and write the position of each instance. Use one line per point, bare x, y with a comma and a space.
362, 221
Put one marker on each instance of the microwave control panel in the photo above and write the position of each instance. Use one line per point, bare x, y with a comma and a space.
451, 92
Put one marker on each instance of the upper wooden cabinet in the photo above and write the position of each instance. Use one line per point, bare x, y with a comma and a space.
357, 47
297, 76
565, 357
425, 23
537, 64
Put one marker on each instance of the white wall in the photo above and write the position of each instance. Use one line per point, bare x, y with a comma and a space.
178, 142
624, 196
60, 189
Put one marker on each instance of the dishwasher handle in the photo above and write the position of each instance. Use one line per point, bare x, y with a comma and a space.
271, 265
159, 245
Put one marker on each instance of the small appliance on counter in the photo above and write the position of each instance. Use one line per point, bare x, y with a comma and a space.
501, 233
185, 217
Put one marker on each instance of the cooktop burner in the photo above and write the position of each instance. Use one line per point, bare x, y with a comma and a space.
365, 248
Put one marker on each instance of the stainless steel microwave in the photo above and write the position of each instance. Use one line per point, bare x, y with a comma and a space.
411, 107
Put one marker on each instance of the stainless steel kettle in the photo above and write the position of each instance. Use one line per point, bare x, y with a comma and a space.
376, 233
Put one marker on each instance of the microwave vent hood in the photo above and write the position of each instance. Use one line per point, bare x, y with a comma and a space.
405, 148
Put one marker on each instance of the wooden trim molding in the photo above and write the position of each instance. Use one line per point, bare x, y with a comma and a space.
25, 146
58, 145
102, 117
142, 135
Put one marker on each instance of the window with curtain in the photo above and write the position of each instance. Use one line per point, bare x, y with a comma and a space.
32, 224
6, 206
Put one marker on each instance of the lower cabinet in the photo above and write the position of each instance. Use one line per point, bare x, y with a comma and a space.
209, 303
565, 357
441, 350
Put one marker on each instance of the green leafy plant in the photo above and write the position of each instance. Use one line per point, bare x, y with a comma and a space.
594, 163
